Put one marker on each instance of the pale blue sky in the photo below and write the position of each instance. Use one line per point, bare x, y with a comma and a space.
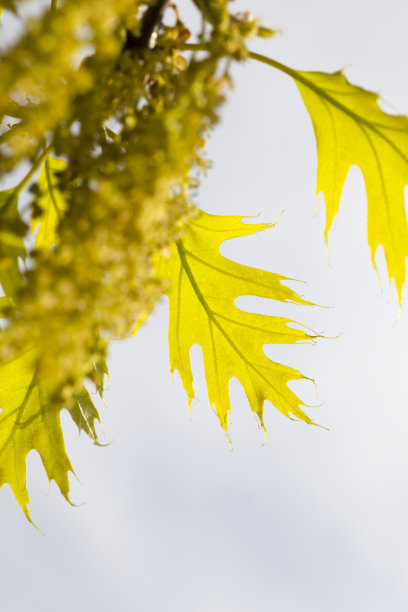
315, 521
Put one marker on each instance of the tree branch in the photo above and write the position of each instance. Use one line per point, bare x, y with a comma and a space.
150, 23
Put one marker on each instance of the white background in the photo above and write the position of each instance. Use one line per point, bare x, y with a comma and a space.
316, 520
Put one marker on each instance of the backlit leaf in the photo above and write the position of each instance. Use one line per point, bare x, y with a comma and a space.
202, 289
29, 420
351, 129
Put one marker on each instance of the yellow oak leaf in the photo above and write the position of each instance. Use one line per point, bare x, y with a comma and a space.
29, 420
352, 129
202, 288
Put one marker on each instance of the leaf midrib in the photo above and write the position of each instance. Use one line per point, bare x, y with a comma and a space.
183, 260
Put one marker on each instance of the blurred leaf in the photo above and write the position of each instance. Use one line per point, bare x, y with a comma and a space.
84, 414
12, 230
6, 304
49, 204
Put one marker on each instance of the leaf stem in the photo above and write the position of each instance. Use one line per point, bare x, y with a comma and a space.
192, 47
27, 178
275, 64
11, 132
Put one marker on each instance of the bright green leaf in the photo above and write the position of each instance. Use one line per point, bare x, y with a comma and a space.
49, 205
202, 289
